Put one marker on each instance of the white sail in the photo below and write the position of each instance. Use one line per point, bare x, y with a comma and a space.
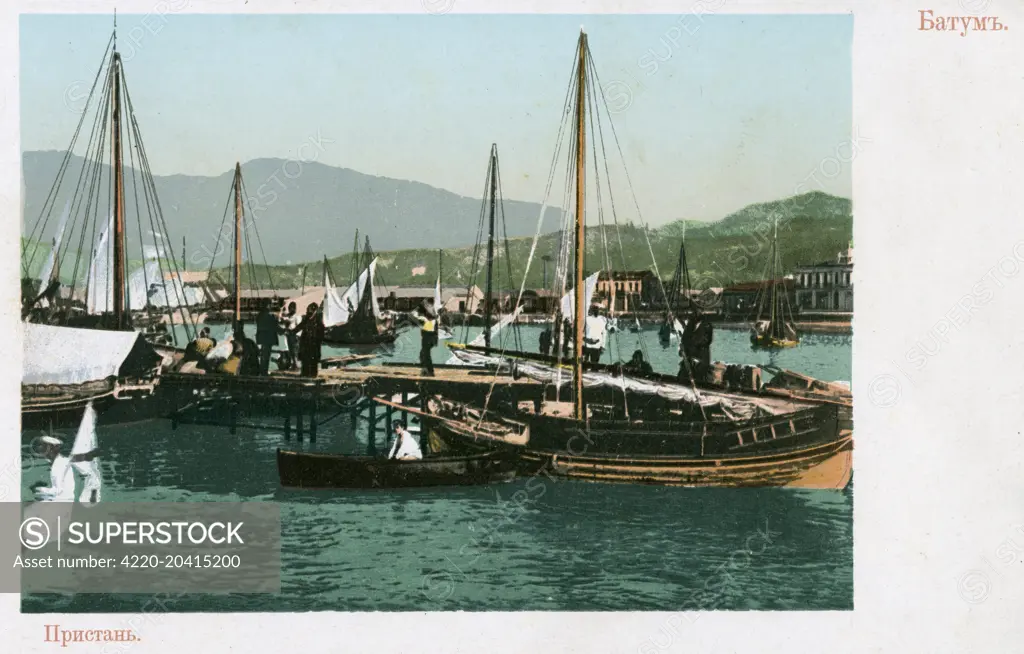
85, 442
139, 283
437, 294
335, 310
354, 294
498, 326
51, 261
569, 299
100, 288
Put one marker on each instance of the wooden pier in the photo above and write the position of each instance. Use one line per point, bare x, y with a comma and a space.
301, 405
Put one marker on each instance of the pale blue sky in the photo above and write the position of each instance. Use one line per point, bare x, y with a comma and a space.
742, 110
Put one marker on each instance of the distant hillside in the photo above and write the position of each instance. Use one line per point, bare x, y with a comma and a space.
812, 227
298, 219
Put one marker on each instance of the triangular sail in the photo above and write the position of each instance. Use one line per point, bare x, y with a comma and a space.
569, 301
50, 266
336, 312
86, 442
100, 288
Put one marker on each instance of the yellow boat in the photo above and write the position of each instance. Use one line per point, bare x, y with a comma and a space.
767, 342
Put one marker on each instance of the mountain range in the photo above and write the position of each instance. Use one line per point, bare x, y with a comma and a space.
315, 211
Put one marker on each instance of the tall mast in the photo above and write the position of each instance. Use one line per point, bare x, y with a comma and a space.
119, 243
775, 271
580, 241
490, 246
238, 243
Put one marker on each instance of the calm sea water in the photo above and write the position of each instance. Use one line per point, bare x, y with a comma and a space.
571, 546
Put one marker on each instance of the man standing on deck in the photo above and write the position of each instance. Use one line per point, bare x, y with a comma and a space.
310, 341
266, 336
594, 331
695, 346
427, 318
291, 319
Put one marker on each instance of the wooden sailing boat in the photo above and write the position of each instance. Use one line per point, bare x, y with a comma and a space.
677, 300
648, 428
354, 318
234, 308
774, 327
79, 350
492, 211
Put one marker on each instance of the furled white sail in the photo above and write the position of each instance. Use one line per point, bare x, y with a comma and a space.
437, 294
100, 287
51, 261
85, 442
569, 299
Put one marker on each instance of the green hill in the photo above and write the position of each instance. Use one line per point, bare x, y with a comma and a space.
812, 227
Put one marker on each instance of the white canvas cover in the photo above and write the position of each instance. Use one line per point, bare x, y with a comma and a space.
737, 408
67, 355
569, 299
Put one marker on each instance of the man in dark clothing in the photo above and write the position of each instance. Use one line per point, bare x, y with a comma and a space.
250, 363
427, 318
311, 337
695, 345
638, 364
266, 336
545, 341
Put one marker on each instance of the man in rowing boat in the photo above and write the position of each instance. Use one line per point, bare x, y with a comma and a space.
405, 448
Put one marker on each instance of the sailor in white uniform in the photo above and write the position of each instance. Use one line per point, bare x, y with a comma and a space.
405, 446
62, 481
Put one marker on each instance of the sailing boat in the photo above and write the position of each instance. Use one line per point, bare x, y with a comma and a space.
82, 347
354, 317
649, 428
671, 329
234, 308
774, 327
492, 210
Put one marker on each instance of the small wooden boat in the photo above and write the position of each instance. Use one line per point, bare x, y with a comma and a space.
311, 470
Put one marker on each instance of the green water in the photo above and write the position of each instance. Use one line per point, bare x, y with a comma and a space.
560, 545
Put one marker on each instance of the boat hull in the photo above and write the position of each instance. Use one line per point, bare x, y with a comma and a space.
311, 471
342, 336
769, 343
826, 466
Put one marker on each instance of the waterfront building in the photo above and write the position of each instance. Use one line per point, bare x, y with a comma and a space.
826, 288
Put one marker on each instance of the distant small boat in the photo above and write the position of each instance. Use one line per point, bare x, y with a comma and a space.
310, 470
774, 328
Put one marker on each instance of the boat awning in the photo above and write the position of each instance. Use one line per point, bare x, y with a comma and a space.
68, 355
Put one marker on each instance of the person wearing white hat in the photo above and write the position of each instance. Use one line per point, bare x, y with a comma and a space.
62, 482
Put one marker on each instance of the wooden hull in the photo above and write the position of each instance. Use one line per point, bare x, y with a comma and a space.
826, 466
67, 412
342, 336
807, 448
319, 471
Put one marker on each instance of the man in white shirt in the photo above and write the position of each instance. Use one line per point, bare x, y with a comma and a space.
594, 330
62, 481
405, 447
